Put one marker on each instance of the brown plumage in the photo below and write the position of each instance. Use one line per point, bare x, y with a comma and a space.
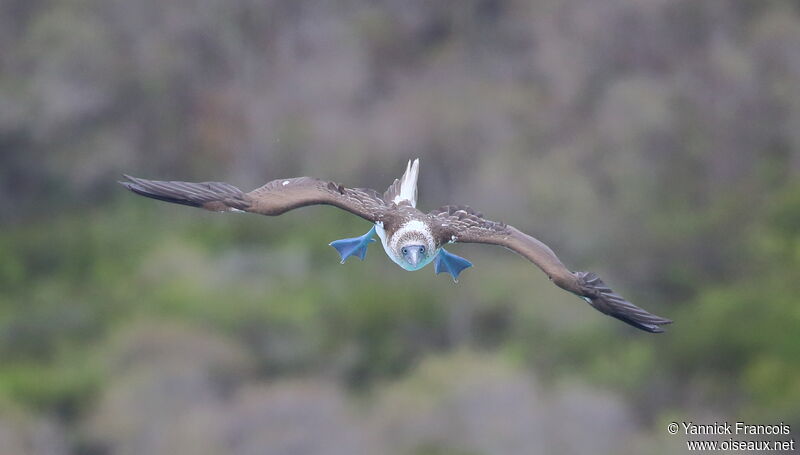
469, 226
393, 214
273, 198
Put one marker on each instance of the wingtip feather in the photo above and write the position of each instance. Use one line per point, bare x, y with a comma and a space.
603, 299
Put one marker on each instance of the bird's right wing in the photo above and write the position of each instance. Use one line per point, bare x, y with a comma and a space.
274, 198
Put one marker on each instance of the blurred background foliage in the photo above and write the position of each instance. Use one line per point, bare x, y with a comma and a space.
656, 142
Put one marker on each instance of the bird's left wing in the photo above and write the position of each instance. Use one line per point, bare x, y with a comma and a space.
274, 198
464, 225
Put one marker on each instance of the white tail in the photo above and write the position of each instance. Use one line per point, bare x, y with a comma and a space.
408, 184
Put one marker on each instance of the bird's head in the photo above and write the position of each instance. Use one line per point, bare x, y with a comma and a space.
415, 253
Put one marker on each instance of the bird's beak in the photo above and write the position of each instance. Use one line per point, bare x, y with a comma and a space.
413, 257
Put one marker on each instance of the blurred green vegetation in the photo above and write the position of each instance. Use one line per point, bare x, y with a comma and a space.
653, 142
275, 287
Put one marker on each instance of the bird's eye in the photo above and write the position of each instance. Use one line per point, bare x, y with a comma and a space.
422, 249
405, 250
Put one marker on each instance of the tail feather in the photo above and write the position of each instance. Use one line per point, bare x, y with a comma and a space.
408, 185
404, 188
215, 196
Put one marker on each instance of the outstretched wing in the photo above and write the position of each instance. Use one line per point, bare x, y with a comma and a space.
462, 224
274, 198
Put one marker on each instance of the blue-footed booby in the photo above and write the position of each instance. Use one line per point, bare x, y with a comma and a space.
411, 238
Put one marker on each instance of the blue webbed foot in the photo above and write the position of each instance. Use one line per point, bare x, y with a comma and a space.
354, 247
450, 263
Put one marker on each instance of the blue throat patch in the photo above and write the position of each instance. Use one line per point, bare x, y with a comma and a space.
450, 263
354, 247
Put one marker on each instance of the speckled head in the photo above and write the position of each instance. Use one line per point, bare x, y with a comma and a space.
413, 246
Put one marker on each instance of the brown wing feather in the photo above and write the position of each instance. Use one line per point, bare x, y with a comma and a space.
273, 198
215, 196
279, 196
465, 225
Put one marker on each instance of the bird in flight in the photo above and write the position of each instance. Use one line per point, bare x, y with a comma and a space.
411, 238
